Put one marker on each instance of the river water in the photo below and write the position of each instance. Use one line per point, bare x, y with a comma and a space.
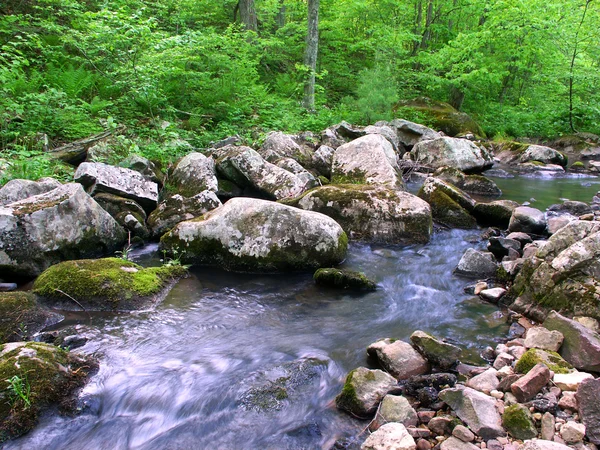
177, 377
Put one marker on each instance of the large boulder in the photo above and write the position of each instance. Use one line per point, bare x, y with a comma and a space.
127, 183
46, 376
65, 223
460, 154
259, 236
363, 391
544, 155
246, 168
193, 174
104, 284
449, 205
176, 208
476, 409
410, 133
370, 159
398, 358
279, 145
372, 213
527, 220
16, 190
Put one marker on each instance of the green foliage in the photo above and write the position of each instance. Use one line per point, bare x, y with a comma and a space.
19, 390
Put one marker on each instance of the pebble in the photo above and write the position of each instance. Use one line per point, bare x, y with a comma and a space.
502, 440
572, 432
497, 394
423, 444
440, 438
537, 416
463, 433
494, 444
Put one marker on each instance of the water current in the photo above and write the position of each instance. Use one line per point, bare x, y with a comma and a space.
182, 376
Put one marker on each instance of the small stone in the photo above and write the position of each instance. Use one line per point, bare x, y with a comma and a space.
391, 435
503, 360
548, 426
423, 444
505, 371
501, 348
588, 322
542, 338
530, 384
440, 425
394, 408
538, 416
422, 433
485, 382
494, 444
480, 286
453, 443
572, 432
568, 401
493, 295
503, 440
570, 381
425, 416
518, 422
509, 399
463, 433
497, 394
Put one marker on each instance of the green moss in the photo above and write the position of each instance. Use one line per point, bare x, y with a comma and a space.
578, 165
20, 316
347, 399
323, 180
112, 279
31, 207
355, 176
517, 421
447, 212
344, 279
535, 356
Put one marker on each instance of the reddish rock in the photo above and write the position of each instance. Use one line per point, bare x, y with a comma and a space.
525, 388
588, 396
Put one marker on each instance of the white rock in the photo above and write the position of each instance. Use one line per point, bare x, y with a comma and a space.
572, 432
391, 436
542, 338
570, 381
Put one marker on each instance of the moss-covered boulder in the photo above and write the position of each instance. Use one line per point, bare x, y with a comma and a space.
436, 351
449, 205
65, 223
517, 420
343, 279
104, 284
441, 116
534, 356
254, 235
34, 376
363, 391
471, 184
495, 214
21, 317
372, 213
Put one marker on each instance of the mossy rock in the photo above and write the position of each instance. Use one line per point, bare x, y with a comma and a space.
343, 279
447, 212
518, 422
496, 213
46, 374
534, 356
577, 165
21, 317
104, 284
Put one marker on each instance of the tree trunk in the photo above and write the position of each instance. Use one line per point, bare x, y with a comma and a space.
572, 66
280, 19
310, 55
248, 14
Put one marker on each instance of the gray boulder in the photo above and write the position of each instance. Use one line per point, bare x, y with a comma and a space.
410, 133
126, 212
363, 391
398, 358
471, 184
476, 409
16, 190
527, 220
127, 183
461, 154
293, 166
193, 174
279, 145
544, 155
246, 168
476, 264
370, 159
372, 213
145, 167
254, 235
65, 223
176, 208
436, 351
322, 160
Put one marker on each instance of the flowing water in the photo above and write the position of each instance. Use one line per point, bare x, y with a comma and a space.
183, 375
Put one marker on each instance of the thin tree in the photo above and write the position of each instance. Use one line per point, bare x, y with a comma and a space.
310, 54
247, 14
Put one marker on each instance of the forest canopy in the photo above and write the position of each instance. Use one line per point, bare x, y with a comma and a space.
195, 71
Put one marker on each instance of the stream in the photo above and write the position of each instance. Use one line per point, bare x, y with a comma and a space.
179, 376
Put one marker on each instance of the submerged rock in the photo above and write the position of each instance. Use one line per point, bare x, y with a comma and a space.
343, 279
65, 223
104, 284
258, 236
363, 391
46, 375
372, 213
476, 264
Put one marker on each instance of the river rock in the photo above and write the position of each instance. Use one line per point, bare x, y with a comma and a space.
517, 420
570, 381
127, 183
176, 208
65, 223
485, 382
544, 155
571, 234
22, 317
476, 264
449, 205
493, 295
279, 145
53, 376
476, 409
527, 220
501, 247
410, 133
16, 190
109, 284
435, 381
471, 184
571, 207
535, 356
581, 346
259, 236
343, 279
463, 433
390, 436
496, 213
540, 444
568, 401
398, 358
144, 166
363, 391
372, 213
193, 174
572, 432
436, 351
370, 159
322, 160
454, 443
587, 396
461, 154
526, 387
540, 337
395, 408
246, 168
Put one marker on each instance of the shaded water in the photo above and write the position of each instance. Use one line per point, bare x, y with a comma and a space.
173, 378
